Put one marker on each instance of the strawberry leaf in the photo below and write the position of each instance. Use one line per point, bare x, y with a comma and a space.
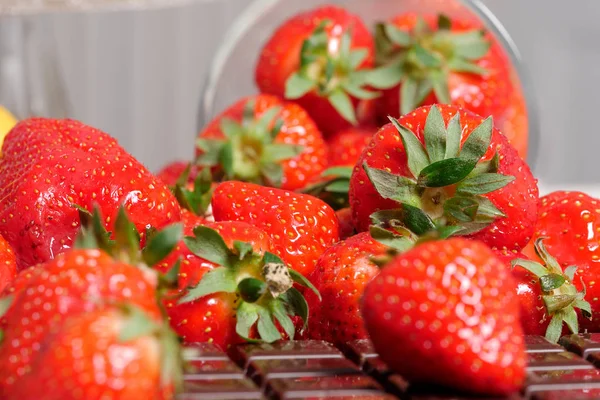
297, 86
439, 81
162, 244
343, 105
408, 95
549, 282
570, 318
5, 303
217, 280
534, 267
463, 209
425, 57
390, 239
385, 77
445, 172
297, 304
261, 127
459, 65
585, 307
393, 187
453, 137
470, 45
302, 281
417, 157
570, 272
281, 315
138, 324
251, 289
478, 141
272, 174
242, 249
435, 135
487, 208
444, 22
554, 328
246, 317
127, 238
208, 244
417, 220
397, 36
276, 152
266, 328
227, 159
484, 183
341, 172
356, 58
211, 151
230, 128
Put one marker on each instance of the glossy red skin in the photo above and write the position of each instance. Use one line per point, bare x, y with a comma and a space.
515, 123
454, 305
211, 318
341, 275
8, 264
346, 146
280, 57
518, 200
84, 358
482, 94
534, 318
48, 165
298, 129
171, 172
71, 284
570, 222
301, 226
344, 216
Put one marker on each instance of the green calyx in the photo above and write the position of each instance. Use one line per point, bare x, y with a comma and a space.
137, 325
262, 281
448, 183
333, 187
248, 152
560, 296
124, 243
421, 60
198, 199
332, 74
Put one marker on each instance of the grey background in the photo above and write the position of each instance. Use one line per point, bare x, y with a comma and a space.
139, 75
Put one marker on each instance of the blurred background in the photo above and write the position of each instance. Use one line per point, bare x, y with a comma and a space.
137, 69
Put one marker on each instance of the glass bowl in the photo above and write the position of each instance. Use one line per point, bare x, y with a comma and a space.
231, 75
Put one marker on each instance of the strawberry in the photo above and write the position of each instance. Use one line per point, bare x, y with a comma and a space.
442, 165
240, 290
111, 352
318, 59
548, 294
453, 304
427, 60
344, 216
78, 281
50, 165
300, 226
264, 140
346, 146
570, 223
515, 123
340, 276
8, 264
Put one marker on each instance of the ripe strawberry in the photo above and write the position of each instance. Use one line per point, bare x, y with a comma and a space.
570, 222
344, 216
318, 58
300, 226
346, 146
8, 264
340, 276
427, 60
441, 165
78, 281
237, 282
111, 352
453, 304
264, 140
50, 165
547, 294
515, 123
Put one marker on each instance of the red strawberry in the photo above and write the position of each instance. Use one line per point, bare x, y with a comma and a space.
344, 216
300, 226
8, 264
466, 175
109, 352
453, 304
515, 123
265, 140
570, 222
427, 60
346, 146
548, 296
340, 276
49, 165
171, 172
237, 282
78, 281
318, 58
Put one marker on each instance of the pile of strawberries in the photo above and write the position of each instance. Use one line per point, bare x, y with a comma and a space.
375, 188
